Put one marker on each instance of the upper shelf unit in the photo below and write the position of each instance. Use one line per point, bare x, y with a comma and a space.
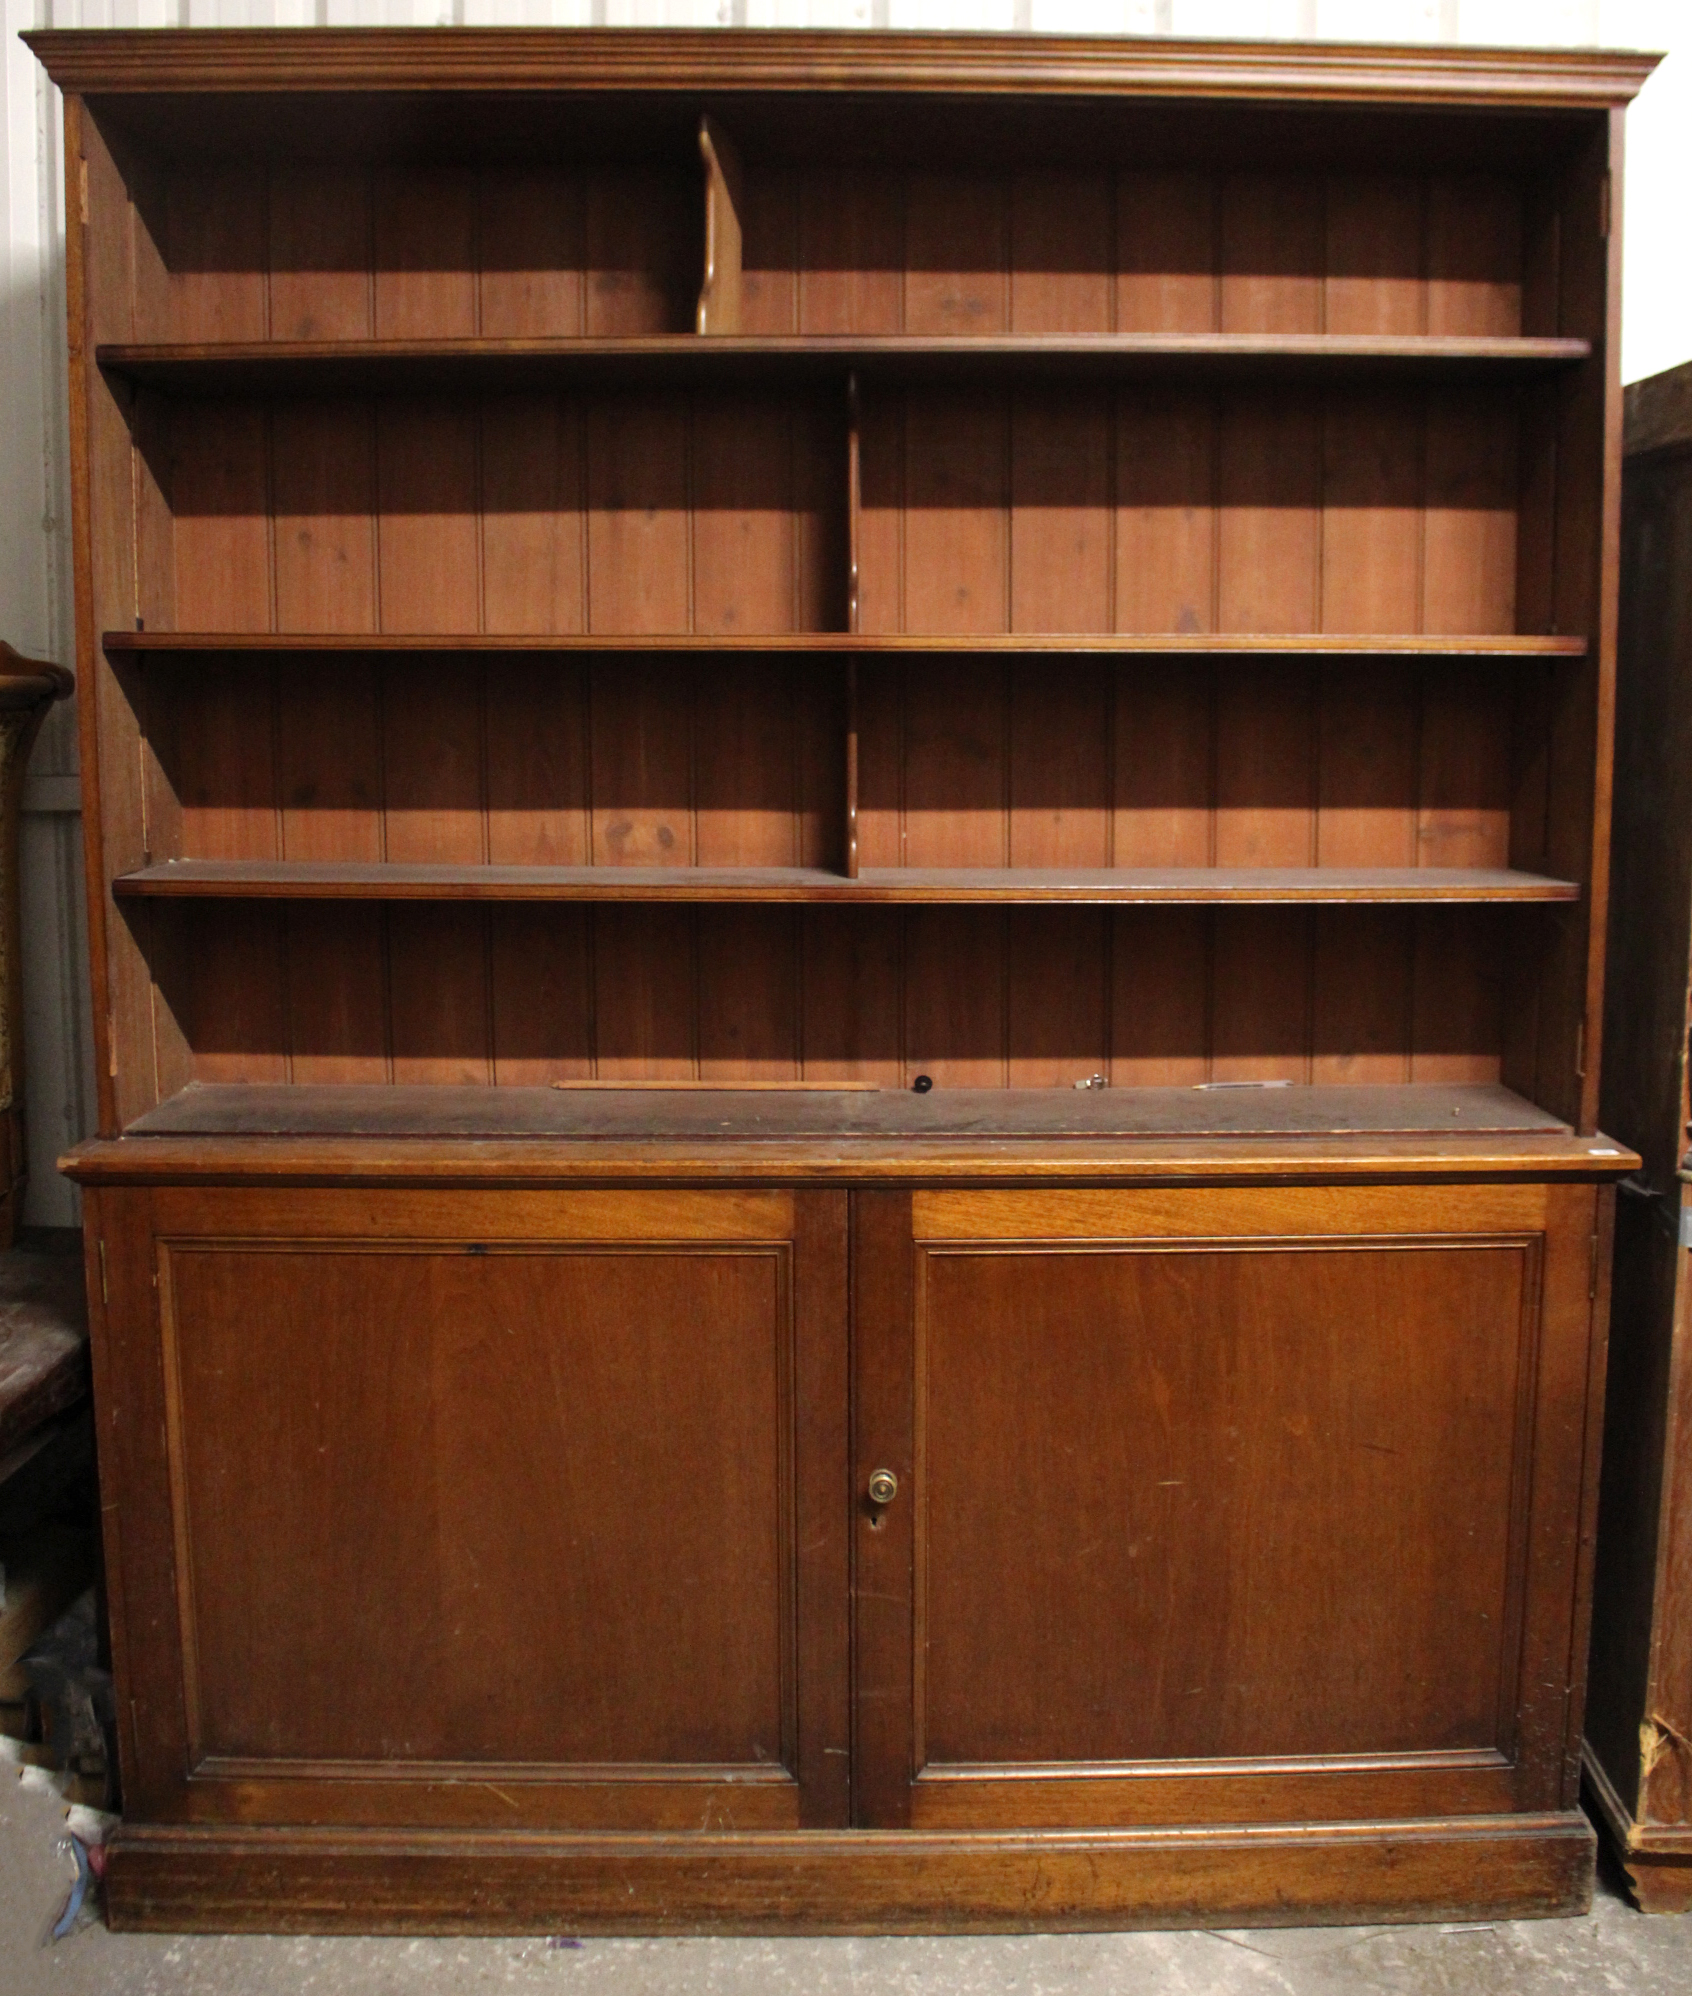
316, 367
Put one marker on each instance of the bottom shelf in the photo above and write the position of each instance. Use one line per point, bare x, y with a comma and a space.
729, 1114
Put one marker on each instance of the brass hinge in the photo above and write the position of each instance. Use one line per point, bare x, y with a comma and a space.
1604, 207
82, 190
105, 1294
1592, 1277
1580, 1050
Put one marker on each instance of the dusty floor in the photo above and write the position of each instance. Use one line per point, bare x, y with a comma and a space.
1615, 1949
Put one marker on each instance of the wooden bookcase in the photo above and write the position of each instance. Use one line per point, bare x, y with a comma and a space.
826, 765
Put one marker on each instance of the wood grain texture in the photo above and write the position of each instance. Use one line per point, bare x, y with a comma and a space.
585, 1758
989, 64
1501, 645
636, 355
1506, 1866
631, 879
1089, 1664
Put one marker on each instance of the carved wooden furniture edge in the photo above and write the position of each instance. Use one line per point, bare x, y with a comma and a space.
809, 60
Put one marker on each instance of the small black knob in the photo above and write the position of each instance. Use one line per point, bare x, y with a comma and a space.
923, 1083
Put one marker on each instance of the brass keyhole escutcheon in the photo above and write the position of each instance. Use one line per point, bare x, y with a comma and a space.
883, 1488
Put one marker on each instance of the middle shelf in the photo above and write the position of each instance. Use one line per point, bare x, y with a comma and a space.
323, 367
1153, 644
1170, 885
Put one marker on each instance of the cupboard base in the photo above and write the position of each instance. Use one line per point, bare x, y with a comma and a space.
313, 1881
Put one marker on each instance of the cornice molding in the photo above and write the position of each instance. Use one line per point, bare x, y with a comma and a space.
123, 61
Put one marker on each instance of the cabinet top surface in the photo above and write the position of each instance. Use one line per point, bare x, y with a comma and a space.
777, 60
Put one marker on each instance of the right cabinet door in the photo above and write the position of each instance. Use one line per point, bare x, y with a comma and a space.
1219, 1505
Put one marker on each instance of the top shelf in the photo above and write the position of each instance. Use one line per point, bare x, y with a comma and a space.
325, 366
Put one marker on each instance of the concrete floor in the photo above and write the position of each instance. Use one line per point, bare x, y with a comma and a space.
1615, 1949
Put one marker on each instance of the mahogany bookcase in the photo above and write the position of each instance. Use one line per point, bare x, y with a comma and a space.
847, 804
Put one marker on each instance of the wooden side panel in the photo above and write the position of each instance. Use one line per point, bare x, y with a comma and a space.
132, 1042
1581, 731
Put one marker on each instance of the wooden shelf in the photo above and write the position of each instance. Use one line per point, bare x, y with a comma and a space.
1147, 643
336, 366
345, 881
732, 1114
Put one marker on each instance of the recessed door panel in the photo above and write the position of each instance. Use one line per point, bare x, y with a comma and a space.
1214, 1502
510, 1531
1213, 1506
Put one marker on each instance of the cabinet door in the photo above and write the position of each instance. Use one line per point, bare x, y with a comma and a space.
1218, 1505
481, 1509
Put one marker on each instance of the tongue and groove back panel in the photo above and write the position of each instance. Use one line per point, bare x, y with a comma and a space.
647, 761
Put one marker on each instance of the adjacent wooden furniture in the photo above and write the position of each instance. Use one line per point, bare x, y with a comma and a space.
28, 687
43, 1350
45, 1563
1639, 1725
848, 809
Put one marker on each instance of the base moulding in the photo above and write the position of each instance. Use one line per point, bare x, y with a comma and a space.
186, 1879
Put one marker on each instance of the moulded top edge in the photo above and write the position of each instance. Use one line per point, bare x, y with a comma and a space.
1657, 412
812, 60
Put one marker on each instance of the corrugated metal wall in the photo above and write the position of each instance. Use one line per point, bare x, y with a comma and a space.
35, 608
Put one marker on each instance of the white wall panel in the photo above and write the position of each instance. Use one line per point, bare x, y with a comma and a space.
35, 611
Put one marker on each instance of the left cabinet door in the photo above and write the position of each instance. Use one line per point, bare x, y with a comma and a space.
516, 1508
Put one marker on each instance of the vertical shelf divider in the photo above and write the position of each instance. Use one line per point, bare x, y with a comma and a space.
719, 295
854, 506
